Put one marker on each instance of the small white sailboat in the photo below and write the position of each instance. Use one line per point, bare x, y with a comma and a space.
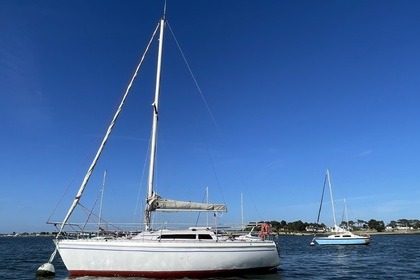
192, 252
340, 236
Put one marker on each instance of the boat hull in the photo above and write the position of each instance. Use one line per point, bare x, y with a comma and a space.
171, 274
342, 241
160, 259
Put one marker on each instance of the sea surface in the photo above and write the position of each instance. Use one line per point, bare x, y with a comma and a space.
387, 257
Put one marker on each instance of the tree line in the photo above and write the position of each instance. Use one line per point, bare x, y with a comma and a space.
372, 224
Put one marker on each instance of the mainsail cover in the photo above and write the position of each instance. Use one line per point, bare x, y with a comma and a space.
158, 203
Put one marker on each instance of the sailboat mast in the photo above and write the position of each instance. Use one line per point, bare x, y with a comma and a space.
102, 198
207, 201
155, 122
331, 195
242, 212
345, 212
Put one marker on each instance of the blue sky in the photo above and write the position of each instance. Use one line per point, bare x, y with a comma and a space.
295, 87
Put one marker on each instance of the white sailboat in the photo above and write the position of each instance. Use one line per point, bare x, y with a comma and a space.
340, 236
192, 252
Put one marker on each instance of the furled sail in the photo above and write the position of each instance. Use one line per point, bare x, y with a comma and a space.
158, 203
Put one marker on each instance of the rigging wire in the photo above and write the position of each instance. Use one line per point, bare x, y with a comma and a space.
322, 199
141, 184
67, 189
87, 211
104, 141
205, 103
90, 213
195, 80
213, 120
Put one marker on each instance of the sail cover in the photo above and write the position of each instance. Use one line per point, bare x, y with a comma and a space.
158, 203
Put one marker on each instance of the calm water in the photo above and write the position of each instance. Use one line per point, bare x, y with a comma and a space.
387, 257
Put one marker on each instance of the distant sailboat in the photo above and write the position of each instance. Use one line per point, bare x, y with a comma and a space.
192, 252
340, 236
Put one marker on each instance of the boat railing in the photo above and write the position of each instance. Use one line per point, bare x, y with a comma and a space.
127, 230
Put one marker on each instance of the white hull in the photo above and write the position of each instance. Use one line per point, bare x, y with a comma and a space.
151, 258
160, 254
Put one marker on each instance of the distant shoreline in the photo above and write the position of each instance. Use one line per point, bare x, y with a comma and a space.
358, 232
402, 232
411, 232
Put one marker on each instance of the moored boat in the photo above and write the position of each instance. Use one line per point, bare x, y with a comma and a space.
159, 253
345, 238
167, 254
339, 235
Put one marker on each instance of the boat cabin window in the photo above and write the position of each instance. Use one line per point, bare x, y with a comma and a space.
178, 236
204, 236
346, 235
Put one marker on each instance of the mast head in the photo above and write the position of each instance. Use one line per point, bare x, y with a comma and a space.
164, 11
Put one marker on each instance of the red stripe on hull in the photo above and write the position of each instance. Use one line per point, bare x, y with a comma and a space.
173, 274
